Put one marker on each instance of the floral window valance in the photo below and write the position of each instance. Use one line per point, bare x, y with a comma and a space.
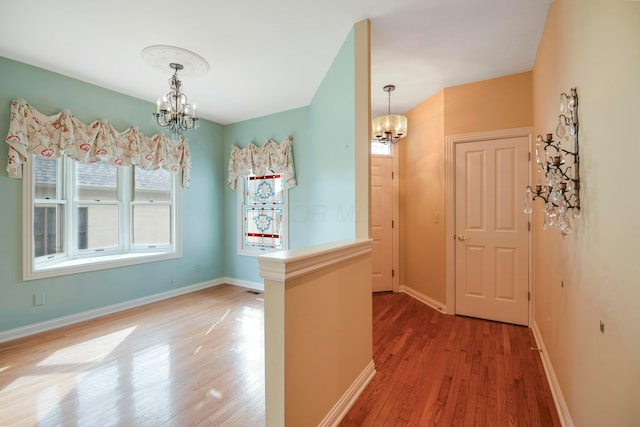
271, 156
31, 132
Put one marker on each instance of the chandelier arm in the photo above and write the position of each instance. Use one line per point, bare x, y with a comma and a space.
540, 196
571, 205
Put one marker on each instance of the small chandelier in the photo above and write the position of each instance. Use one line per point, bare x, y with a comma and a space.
173, 111
389, 128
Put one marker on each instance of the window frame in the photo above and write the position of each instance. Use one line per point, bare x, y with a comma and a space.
46, 206
133, 202
254, 252
76, 203
73, 260
59, 200
375, 142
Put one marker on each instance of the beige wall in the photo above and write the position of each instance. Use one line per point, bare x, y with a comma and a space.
318, 331
500, 103
328, 341
421, 165
362, 35
593, 45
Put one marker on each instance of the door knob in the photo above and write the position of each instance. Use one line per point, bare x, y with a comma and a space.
462, 237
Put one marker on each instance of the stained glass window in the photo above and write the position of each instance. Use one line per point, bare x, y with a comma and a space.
264, 213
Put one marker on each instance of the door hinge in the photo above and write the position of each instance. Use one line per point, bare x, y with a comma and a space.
528, 296
393, 224
392, 175
529, 153
528, 226
393, 273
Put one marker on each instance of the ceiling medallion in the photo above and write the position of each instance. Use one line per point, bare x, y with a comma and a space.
161, 57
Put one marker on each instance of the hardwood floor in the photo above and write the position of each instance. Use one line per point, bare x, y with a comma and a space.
439, 370
197, 359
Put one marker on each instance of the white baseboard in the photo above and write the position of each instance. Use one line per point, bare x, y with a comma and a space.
349, 397
558, 398
36, 328
424, 299
244, 283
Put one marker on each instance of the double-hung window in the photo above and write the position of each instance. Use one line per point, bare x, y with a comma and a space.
47, 227
263, 214
96, 208
90, 216
151, 209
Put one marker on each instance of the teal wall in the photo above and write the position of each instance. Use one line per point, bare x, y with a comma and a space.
278, 126
203, 218
321, 206
332, 130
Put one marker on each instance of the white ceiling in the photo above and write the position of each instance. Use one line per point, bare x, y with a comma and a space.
271, 56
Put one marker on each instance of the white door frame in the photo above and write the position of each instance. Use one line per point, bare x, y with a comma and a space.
450, 179
396, 220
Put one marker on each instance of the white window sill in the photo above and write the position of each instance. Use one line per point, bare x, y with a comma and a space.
83, 265
257, 252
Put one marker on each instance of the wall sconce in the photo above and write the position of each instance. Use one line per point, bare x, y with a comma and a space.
559, 162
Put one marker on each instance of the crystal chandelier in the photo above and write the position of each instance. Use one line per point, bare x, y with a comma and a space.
389, 128
173, 111
559, 163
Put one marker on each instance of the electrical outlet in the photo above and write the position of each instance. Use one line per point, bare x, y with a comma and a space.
38, 299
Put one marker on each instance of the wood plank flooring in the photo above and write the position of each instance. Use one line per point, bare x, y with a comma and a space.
439, 370
197, 359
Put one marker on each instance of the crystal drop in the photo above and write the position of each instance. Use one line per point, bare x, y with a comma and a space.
561, 129
539, 177
552, 218
527, 208
565, 225
561, 221
564, 101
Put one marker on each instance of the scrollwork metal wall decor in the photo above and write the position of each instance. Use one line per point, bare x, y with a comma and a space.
558, 169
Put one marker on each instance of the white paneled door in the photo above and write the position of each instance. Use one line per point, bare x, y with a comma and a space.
381, 223
492, 246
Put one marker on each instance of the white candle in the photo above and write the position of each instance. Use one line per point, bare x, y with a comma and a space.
158, 106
